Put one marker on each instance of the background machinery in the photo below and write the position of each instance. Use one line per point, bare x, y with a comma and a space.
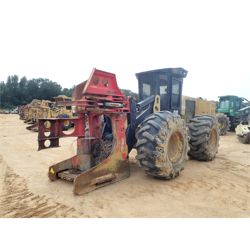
64, 111
45, 109
108, 126
37, 109
228, 112
196, 107
25, 111
243, 129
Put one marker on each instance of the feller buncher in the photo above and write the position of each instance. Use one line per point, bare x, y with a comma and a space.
37, 109
109, 125
228, 113
48, 109
25, 111
21, 111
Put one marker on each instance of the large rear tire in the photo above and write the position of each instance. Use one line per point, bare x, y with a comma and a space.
224, 123
204, 138
162, 145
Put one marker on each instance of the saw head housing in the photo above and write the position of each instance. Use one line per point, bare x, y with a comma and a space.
99, 124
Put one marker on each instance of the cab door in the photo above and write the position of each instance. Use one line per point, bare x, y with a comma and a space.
164, 92
176, 90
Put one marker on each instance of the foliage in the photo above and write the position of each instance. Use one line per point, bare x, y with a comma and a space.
18, 92
15, 91
68, 92
128, 92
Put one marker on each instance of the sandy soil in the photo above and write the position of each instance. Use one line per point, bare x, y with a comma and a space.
205, 189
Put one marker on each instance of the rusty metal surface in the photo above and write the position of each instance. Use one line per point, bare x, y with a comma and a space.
108, 172
98, 162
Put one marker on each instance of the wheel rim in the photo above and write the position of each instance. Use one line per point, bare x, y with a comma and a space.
213, 139
175, 147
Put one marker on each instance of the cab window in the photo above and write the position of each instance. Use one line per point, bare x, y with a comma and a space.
175, 93
224, 104
145, 90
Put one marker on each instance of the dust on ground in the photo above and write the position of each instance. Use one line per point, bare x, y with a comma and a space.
220, 188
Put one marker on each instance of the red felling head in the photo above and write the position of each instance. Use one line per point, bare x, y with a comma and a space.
102, 83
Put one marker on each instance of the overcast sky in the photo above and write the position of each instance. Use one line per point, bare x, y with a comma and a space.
64, 40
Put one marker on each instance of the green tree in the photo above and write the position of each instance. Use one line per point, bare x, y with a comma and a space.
68, 92
22, 91
48, 89
11, 92
128, 92
32, 90
2, 94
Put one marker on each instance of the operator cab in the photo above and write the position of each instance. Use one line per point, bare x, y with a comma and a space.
167, 83
230, 104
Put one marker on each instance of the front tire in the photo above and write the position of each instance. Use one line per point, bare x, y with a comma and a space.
162, 145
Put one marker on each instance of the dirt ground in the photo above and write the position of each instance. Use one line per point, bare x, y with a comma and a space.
220, 188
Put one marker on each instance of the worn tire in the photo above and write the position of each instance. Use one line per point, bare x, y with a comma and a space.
224, 123
245, 139
204, 138
162, 145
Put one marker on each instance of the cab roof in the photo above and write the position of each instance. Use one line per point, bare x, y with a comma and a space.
173, 71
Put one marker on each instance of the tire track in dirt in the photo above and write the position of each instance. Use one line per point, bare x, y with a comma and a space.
235, 168
16, 201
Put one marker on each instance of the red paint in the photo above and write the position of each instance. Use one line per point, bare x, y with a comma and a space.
90, 103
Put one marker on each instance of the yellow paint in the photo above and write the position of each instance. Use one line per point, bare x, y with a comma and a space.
51, 171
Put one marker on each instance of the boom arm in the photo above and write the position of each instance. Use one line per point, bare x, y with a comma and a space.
138, 112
